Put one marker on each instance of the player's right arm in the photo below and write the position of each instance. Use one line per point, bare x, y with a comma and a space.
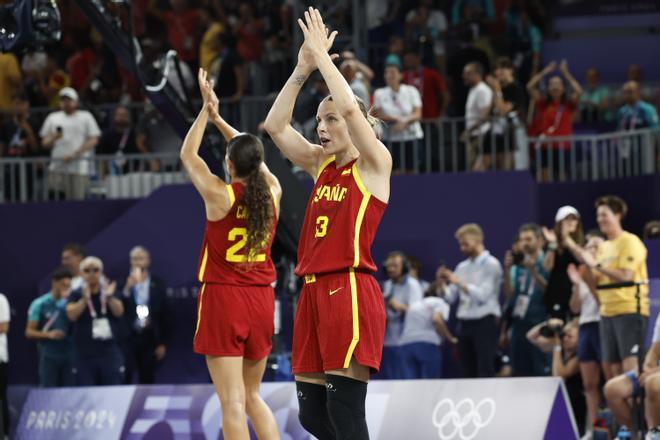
278, 122
212, 189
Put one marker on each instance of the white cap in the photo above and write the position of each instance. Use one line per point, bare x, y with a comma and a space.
69, 92
564, 212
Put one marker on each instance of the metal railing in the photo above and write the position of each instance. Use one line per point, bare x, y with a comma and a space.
445, 147
42, 179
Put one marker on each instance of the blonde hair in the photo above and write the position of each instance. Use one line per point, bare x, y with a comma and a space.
88, 261
572, 324
470, 229
366, 111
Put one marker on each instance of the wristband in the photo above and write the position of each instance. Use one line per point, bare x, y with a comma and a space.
557, 349
552, 246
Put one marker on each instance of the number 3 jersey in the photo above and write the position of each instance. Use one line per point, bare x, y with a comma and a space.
340, 222
224, 259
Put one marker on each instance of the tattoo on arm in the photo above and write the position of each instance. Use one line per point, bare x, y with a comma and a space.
299, 80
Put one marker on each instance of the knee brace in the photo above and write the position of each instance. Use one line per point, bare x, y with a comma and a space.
313, 412
346, 399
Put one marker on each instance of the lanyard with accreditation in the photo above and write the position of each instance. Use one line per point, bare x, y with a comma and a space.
101, 329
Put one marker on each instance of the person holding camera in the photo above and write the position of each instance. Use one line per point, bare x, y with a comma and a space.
95, 311
145, 319
71, 135
585, 303
400, 292
562, 340
525, 281
621, 389
476, 285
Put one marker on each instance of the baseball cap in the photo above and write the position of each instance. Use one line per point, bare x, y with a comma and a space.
69, 92
564, 212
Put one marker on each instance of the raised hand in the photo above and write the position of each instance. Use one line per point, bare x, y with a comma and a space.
317, 38
205, 85
550, 235
563, 66
110, 288
550, 67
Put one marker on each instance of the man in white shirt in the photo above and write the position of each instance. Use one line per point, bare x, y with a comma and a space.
71, 135
400, 106
477, 112
400, 292
5, 317
476, 284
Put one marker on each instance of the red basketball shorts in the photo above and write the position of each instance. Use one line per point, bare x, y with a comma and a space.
340, 316
235, 321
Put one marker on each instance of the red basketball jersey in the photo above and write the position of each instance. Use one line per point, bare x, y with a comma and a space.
223, 258
340, 222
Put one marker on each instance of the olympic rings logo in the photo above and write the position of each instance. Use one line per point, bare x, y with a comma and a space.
464, 419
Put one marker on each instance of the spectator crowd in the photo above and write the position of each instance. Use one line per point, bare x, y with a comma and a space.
561, 302
428, 60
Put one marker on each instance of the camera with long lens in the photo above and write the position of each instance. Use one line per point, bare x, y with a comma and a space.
550, 331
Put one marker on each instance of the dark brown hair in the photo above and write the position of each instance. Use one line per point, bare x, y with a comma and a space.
75, 248
247, 154
577, 236
615, 203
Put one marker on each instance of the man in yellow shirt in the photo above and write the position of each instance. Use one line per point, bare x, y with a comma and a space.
10, 81
621, 258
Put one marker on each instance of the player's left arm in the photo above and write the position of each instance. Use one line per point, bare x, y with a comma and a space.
375, 158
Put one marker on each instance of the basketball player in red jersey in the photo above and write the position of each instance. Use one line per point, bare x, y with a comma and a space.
340, 321
236, 300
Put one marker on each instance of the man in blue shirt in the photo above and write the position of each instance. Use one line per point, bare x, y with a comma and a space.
95, 311
524, 284
48, 324
635, 113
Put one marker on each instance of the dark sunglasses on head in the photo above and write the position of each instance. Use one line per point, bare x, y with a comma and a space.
91, 269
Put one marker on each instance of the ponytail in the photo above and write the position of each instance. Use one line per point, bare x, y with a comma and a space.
258, 202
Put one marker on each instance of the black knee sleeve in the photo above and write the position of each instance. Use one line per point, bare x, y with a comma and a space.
346, 399
313, 412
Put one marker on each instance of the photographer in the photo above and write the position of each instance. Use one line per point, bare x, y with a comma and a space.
562, 340
400, 291
619, 390
524, 284
476, 285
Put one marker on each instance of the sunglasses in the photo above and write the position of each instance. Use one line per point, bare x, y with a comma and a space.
91, 270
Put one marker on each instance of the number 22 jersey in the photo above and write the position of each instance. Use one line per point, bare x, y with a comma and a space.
223, 258
340, 222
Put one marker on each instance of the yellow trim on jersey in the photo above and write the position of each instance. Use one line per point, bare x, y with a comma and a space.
325, 163
199, 309
358, 180
356, 318
309, 279
232, 197
366, 195
202, 267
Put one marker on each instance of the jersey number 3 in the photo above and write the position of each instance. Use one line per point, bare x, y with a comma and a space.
321, 226
233, 255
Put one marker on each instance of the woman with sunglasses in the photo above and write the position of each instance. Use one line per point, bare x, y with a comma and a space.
95, 311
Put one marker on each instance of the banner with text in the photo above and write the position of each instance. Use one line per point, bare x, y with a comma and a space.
433, 409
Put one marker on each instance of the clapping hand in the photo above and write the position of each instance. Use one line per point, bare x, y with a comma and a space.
550, 235
110, 288
318, 39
